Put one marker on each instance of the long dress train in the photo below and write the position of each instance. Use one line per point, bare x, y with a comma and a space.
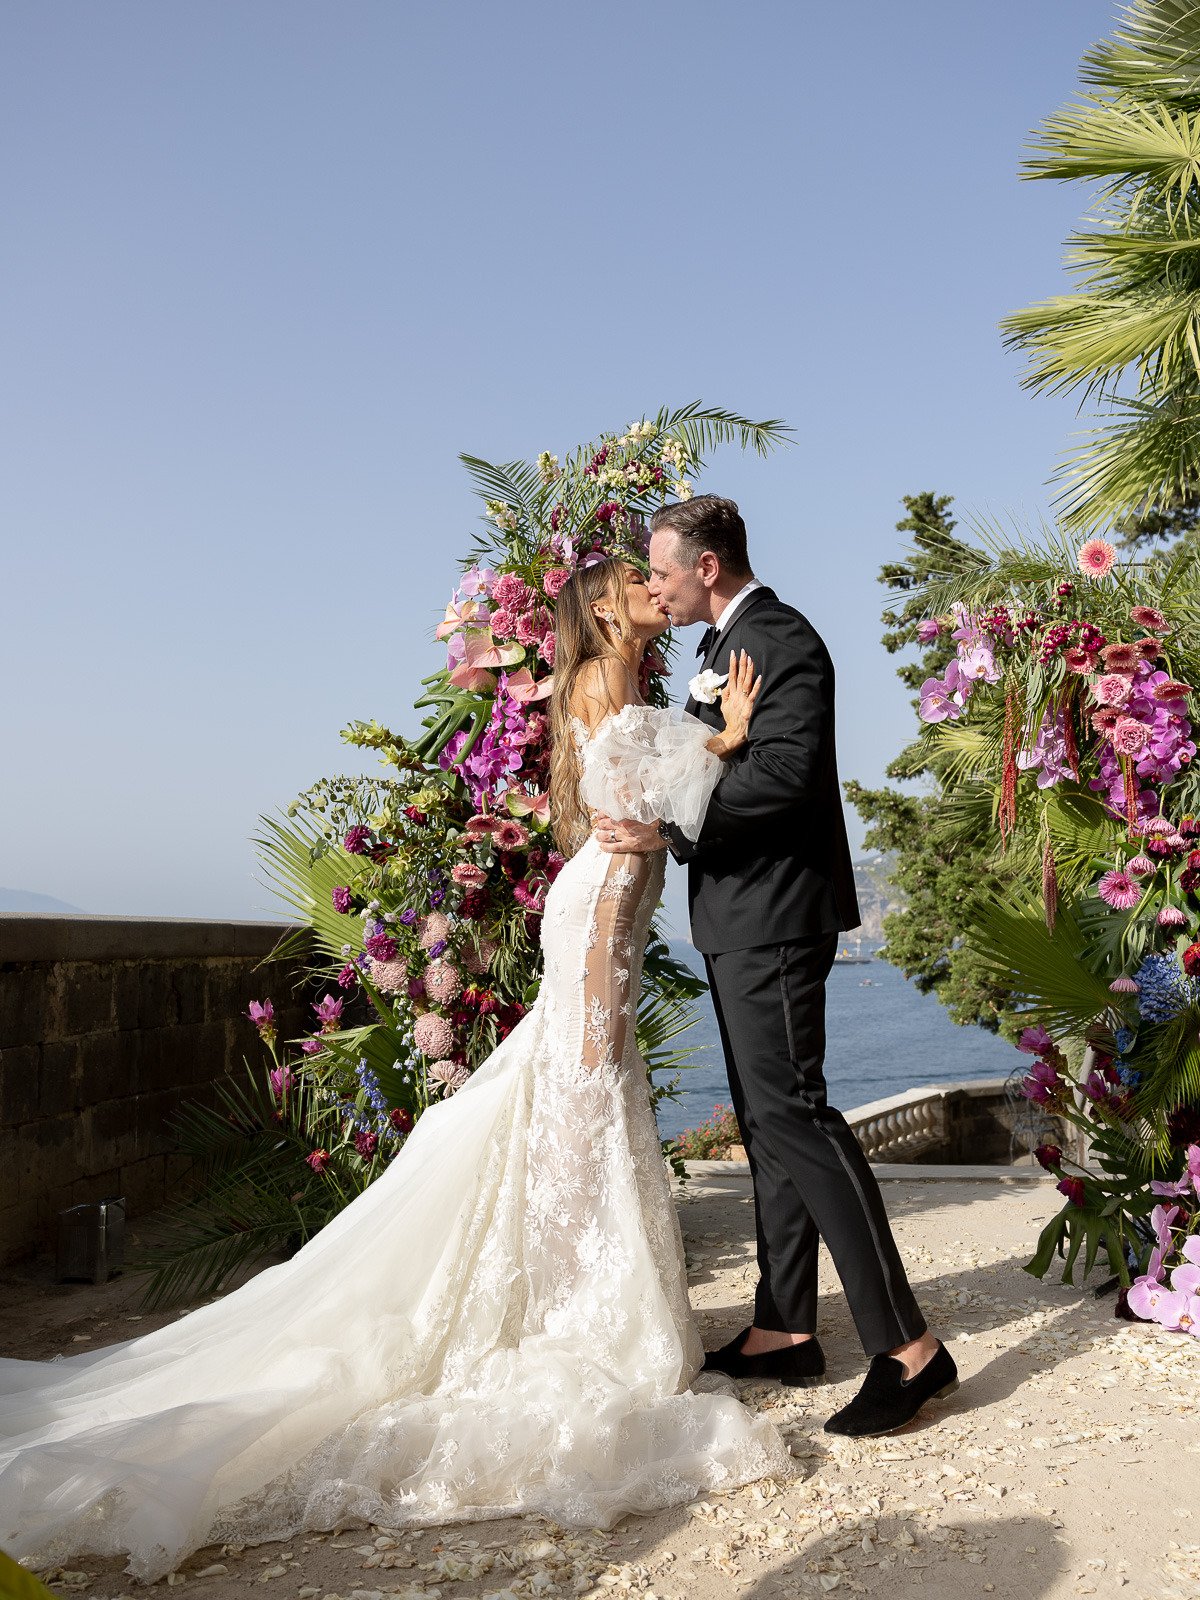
498, 1325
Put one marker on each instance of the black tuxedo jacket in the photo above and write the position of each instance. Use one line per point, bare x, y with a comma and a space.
772, 862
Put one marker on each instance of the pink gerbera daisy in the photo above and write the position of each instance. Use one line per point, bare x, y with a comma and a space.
1120, 657
1171, 689
1118, 890
1148, 617
511, 836
1124, 986
1141, 867
1096, 558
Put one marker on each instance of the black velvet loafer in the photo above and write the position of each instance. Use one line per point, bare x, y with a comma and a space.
888, 1400
796, 1365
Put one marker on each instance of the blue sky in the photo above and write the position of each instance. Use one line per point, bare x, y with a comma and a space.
269, 268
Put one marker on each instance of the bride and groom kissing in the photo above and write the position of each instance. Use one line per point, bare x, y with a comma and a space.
500, 1323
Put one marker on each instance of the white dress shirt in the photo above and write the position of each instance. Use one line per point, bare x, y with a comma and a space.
734, 605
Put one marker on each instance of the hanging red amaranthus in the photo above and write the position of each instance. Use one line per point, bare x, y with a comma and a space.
1007, 815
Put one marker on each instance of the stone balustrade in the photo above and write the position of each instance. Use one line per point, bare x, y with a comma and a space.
972, 1123
107, 1025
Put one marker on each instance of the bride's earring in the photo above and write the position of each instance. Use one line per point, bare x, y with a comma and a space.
607, 616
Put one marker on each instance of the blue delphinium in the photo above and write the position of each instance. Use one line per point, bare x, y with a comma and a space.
1163, 991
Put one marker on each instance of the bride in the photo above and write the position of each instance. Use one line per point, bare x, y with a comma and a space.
500, 1323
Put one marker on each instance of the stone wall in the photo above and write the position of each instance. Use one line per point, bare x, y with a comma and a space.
107, 1024
974, 1123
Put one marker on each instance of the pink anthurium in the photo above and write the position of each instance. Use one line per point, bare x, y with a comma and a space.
524, 689
463, 674
534, 807
481, 650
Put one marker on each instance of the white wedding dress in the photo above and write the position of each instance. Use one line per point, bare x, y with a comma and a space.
498, 1325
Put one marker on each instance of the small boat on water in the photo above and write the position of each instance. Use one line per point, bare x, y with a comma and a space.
844, 957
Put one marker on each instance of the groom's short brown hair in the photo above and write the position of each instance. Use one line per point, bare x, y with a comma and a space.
706, 523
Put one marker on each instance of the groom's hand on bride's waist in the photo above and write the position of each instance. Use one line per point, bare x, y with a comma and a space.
627, 837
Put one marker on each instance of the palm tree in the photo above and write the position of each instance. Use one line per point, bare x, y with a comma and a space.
1128, 336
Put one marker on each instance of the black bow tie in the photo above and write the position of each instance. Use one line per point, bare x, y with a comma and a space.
706, 640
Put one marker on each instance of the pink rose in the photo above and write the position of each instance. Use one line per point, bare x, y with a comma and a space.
553, 581
546, 649
1113, 689
1130, 737
504, 624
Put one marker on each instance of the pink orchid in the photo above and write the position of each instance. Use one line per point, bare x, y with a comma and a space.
1146, 1298
1186, 1278
524, 689
978, 663
1187, 1184
939, 702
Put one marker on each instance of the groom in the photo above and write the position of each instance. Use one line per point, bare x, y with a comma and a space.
770, 886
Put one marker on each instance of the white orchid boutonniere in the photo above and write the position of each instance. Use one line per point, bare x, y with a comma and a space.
706, 686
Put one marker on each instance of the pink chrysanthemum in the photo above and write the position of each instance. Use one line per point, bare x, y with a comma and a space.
1171, 917
477, 956
390, 977
1079, 660
433, 1035
1148, 617
481, 824
1141, 867
443, 982
1158, 827
1149, 649
450, 1074
1096, 558
432, 929
1105, 721
1118, 890
1124, 986
511, 836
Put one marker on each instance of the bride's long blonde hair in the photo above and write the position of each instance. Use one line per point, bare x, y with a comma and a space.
580, 636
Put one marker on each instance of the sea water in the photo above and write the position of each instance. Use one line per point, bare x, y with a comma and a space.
884, 1037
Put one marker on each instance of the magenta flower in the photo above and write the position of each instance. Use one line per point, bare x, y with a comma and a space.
1095, 1086
1141, 867
312, 1047
1125, 986
262, 1015
318, 1160
356, 842
341, 900
928, 630
547, 648
1171, 917
281, 1080
1041, 1083
1048, 1156
1185, 1279
554, 580
381, 947
978, 663
366, 1143
1072, 1188
348, 976
511, 836
1186, 1185
1035, 1041
1118, 890
329, 1012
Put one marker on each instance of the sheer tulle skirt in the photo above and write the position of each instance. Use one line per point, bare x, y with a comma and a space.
499, 1324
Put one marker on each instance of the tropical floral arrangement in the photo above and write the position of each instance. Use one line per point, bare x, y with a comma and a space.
421, 890
1065, 726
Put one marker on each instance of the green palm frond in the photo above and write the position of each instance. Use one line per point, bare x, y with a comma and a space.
706, 427
1154, 54
1148, 454
517, 484
1054, 974
302, 869
1090, 339
1098, 138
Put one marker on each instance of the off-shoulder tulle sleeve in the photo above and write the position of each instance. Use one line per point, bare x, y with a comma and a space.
647, 763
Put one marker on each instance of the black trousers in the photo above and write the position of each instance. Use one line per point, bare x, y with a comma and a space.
811, 1179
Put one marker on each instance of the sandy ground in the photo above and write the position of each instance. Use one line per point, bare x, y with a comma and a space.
1067, 1464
